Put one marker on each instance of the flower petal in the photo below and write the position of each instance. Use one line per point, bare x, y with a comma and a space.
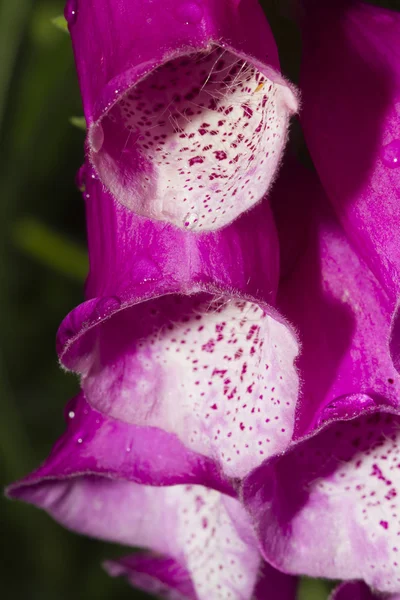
166, 578
206, 533
132, 258
95, 443
237, 398
353, 133
338, 308
356, 590
342, 486
187, 112
159, 575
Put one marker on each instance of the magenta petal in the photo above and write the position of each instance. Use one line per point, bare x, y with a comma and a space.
93, 483
132, 258
187, 112
164, 577
353, 133
338, 308
97, 444
330, 506
237, 398
206, 533
356, 590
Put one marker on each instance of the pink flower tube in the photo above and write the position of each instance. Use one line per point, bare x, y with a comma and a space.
187, 112
179, 333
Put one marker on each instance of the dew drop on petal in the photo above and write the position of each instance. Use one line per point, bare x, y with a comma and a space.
190, 13
96, 137
190, 220
71, 414
391, 154
71, 11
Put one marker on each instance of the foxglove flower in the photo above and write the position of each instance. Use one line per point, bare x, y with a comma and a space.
187, 112
351, 92
200, 541
179, 333
329, 506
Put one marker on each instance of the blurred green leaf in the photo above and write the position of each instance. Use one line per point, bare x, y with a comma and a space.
51, 248
61, 23
79, 122
314, 589
14, 17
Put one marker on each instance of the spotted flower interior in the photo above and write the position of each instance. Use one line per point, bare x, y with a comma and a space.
218, 373
194, 143
348, 475
207, 534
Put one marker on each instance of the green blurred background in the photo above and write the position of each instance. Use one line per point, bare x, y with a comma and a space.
42, 268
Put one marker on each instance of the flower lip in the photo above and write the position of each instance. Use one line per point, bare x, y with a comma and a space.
129, 79
237, 398
82, 322
347, 470
195, 140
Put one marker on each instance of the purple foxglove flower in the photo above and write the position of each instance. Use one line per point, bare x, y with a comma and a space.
179, 333
187, 112
351, 102
355, 590
329, 506
201, 541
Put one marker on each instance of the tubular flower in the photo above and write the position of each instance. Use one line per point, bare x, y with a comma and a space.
341, 485
351, 91
179, 333
187, 112
239, 412
200, 541
339, 482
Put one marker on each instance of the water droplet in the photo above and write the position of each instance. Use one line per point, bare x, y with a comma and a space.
96, 137
391, 154
79, 440
190, 220
146, 270
106, 306
190, 13
71, 414
71, 11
